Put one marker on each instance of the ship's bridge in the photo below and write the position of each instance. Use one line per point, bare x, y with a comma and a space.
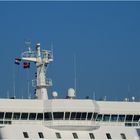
54, 113
71, 114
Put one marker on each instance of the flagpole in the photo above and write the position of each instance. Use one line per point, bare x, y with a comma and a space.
14, 84
75, 75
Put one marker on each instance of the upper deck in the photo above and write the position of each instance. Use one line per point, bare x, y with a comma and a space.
68, 110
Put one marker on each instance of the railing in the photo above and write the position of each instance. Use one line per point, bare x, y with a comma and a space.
44, 55
48, 82
29, 54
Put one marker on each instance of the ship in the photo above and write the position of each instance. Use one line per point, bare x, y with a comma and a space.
64, 119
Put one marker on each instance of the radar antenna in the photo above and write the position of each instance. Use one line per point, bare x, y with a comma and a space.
41, 58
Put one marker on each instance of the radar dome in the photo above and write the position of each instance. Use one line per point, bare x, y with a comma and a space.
71, 93
133, 98
54, 94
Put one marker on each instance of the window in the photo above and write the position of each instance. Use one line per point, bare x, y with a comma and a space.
113, 118
7, 122
99, 117
40, 135
58, 115
40, 116
32, 116
25, 134
121, 118
75, 135
108, 136
106, 117
83, 117
58, 135
95, 115
89, 116
123, 136
67, 115
48, 116
24, 116
128, 124
78, 115
73, 115
8, 115
16, 116
1, 115
136, 118
91, 136
129, 118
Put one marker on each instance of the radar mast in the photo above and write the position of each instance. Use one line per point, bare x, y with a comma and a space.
41, 58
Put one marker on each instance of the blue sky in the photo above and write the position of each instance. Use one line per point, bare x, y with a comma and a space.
104, 36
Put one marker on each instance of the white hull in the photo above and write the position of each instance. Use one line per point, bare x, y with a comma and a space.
16, 132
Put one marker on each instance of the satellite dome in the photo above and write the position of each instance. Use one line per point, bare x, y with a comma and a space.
71, 93
54, 94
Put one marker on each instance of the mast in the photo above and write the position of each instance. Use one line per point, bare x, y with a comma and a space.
41, 58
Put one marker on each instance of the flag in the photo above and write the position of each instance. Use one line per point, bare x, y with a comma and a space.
26, 65
17, 61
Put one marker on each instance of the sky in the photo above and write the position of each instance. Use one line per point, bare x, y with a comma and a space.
103, 36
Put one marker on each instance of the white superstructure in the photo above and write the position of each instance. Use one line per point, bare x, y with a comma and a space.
65, 119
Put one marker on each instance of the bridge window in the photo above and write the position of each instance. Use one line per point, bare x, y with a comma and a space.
58, 115
8, 115
1, 115
24, 116
99, 117
73, 115
106, 117
136, 118
129, 118
91, 135
121, 118
58, 135
40, 134
78, 115
16, 116
32, 116
89, 116
83, 117
75, 136
48, 116
40, 116
25, 134
113, 118
67, 115
123, 136
95, 115
108, 136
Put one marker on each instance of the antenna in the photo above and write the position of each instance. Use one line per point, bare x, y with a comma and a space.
51, 46
94, 95
7, 93
52, 49
75, 75
129, 91
14, 87
28, 44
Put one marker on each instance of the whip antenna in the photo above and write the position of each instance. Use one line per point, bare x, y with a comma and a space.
75, 75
